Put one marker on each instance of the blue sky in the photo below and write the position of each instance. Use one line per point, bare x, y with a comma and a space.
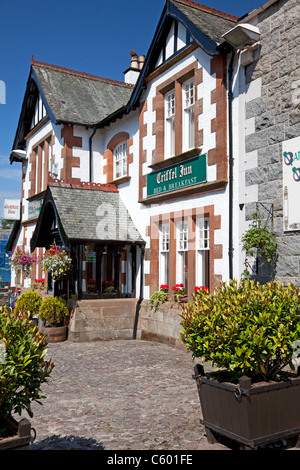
93, 36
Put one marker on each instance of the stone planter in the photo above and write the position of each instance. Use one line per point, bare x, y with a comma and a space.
250, 414
19, 435
55, 334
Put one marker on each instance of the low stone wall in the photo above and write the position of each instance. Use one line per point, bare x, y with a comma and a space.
102, 319
107, 319
161, 325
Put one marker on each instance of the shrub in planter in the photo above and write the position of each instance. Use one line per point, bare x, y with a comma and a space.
29, 302
23, 368
53, 311
247, 328
250, 332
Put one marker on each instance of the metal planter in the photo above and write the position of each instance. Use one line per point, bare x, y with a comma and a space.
249, 414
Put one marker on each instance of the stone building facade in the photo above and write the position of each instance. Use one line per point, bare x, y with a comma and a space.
272, 117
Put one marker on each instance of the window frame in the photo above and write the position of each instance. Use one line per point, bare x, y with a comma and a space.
170, 107
188, 114
164, 250
118, 152
182, 236
202, 249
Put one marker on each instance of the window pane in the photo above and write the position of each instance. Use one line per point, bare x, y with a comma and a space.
188, 115
164, 253
170, 125
120, 160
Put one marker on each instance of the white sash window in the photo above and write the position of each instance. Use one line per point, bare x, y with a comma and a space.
120, 160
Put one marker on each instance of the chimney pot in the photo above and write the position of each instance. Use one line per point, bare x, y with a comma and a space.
134, 60
141, 61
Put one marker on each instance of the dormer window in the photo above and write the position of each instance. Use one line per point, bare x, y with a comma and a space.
120, 160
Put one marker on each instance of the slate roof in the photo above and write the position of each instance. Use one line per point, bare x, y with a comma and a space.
88, 215
213, 23
79, 98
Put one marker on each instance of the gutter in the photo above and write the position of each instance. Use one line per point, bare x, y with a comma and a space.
230, 162
91, 153
138, 305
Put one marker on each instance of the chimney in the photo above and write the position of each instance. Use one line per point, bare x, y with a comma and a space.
132, 73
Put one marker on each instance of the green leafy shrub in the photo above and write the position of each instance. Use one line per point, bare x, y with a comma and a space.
53, 311
23, 368
247, 328
29, 302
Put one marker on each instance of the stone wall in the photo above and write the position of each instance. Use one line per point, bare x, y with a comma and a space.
162, 325
274, 117
108, 319
102, 319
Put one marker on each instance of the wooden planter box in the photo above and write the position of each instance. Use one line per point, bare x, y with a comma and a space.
20, 438
252, 415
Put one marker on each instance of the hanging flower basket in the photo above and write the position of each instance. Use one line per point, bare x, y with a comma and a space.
22, 260
56, 261
259, 237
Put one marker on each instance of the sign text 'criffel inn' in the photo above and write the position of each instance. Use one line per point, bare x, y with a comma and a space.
177, 176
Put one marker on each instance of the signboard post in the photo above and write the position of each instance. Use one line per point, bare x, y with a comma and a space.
291, 183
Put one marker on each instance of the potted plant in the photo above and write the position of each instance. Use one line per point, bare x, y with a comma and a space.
159, 296
179, 293
23, 370
198, 290
249, 333
21, 259
29, 303
39, 285
53, 312
259, 241
91, 285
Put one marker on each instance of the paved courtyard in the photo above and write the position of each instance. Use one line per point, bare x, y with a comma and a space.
119, 395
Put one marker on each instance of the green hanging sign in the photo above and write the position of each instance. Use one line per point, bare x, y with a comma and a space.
177, 176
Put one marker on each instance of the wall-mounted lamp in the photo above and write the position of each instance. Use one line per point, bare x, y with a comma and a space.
242, 35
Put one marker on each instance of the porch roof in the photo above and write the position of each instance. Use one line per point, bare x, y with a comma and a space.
84, 215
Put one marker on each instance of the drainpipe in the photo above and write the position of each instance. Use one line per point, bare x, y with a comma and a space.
230, 162
138, 305
91, 152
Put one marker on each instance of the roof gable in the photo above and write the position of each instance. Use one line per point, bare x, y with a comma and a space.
205, 26
69, 97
